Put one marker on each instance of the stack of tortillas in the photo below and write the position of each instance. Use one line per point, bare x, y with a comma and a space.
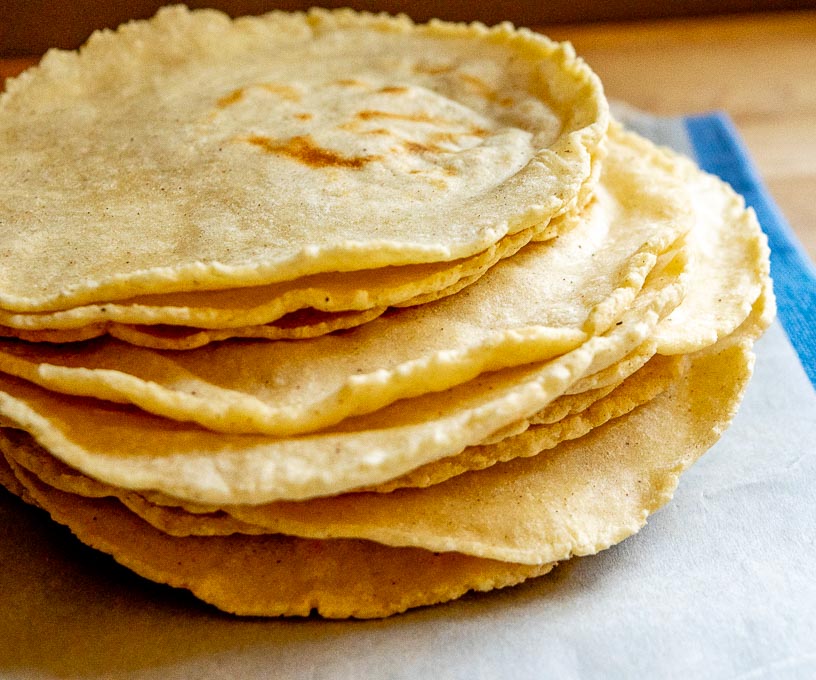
333, 312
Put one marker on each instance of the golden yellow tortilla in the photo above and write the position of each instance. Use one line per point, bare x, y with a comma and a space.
184, 519
582, 498
282, 146
133, 449
544, 301
275, 575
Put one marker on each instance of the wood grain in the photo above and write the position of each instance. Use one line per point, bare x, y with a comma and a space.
757, 68
32, 26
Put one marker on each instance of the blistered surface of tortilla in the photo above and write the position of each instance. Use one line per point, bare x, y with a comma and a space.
132, 449
278, 575
542, 302
207, 153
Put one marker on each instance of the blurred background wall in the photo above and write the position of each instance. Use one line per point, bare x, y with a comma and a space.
29, 27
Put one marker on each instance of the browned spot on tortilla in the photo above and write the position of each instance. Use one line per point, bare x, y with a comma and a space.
303, 149
283, 91
304, 116
485, 90
419, 147
476, 83
231, 98
392, 115
357, 126
432, 70
443, 137
350, 82
434, 142
393, 89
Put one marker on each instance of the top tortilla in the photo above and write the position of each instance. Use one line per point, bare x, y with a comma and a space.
206, 153
544, 301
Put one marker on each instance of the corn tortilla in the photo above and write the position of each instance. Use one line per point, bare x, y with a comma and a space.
731, 265
136, 450
584, 498
542, 302
579, 498
325, 141
275, 575
259, 305
638, 389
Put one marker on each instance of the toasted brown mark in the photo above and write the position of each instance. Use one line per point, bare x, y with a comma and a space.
304, 116
477, 84
420, 147
443, 137
283, 91
303, 149
393, 89
232, 98
356, 126
432, 69
370, 114
452, 137
350, 82
366, 115
434, 141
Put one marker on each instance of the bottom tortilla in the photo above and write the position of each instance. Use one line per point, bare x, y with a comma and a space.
273, 575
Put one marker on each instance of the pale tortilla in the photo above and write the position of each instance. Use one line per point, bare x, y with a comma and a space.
207, 153
581, 499
275, 575
731, 265
186, 520
260, 305
544, 301
132, 449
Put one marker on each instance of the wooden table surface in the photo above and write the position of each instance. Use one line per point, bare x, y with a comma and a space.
760, 69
